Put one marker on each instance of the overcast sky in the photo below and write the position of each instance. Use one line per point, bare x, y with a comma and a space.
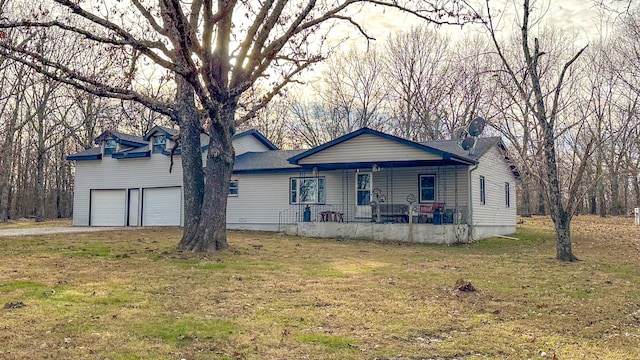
578, 18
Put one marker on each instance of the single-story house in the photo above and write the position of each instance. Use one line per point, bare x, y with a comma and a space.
366, 184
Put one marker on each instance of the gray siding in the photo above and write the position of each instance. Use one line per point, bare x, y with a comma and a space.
260, 198
368, 148
110, 173
396, 184
248, 143
494, 212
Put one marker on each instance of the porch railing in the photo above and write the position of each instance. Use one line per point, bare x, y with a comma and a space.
347, 213
315, 212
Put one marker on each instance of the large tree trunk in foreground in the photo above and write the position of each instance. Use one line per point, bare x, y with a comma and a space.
210, 232
191, 157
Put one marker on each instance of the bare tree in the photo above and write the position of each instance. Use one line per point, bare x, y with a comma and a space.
417, 76
312, 124
273, 122
12, 87
194, 41
544, 104
352, 87
624, 58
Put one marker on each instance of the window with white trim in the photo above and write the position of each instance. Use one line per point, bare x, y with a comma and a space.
306, 190
427, 184
233, 188
483, 197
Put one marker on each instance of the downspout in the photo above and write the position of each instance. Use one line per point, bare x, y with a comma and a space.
470, 217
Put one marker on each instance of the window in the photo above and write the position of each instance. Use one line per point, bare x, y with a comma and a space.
427, 188
109, 147
507, 195
306, 190
159, 143
363, 189
233, 188
483, 198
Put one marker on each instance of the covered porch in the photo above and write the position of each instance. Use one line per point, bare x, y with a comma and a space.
371, 185
421, 203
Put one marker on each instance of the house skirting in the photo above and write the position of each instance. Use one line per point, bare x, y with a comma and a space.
252, 226
420, 233
487, 231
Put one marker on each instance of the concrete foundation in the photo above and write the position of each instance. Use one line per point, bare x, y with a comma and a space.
420, 233
444, 234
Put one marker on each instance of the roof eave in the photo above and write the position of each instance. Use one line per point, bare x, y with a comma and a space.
445, 155
84, 157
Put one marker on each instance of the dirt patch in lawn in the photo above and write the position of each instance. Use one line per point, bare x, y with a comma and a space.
130, 294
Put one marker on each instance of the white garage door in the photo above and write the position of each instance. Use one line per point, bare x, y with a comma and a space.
108, 207
162, 206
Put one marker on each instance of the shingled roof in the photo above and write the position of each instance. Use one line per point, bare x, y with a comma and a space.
89, 154
122, 138
274, 160
452, 146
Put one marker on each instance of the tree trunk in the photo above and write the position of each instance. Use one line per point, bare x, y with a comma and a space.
563, 237
191, 155
616, 203
636, 191
593, 208
525, 207
211, 231
559, 215
7, 165
5, 175
542, 208
40, 188
602, 203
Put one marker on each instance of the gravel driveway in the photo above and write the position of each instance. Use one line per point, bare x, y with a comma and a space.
58, 230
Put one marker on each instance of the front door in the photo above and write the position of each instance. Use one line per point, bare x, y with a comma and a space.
363, 195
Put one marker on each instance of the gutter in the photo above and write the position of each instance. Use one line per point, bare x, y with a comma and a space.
470, 218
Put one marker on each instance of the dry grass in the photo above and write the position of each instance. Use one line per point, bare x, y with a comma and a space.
130, 295
30, 223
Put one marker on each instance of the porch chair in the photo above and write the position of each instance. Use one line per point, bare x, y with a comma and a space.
428, 212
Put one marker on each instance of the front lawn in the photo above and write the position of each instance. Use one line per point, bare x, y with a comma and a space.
130, 295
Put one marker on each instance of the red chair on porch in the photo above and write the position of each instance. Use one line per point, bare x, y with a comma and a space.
427, 212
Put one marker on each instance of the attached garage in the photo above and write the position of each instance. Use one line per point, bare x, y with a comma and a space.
162, 206
108, 208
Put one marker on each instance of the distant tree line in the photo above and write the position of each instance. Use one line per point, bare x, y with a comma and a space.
426, 92
418, 84
42, 122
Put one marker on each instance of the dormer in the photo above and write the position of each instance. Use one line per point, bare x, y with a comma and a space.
158, 143
114, 144
160, 139
110, 146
